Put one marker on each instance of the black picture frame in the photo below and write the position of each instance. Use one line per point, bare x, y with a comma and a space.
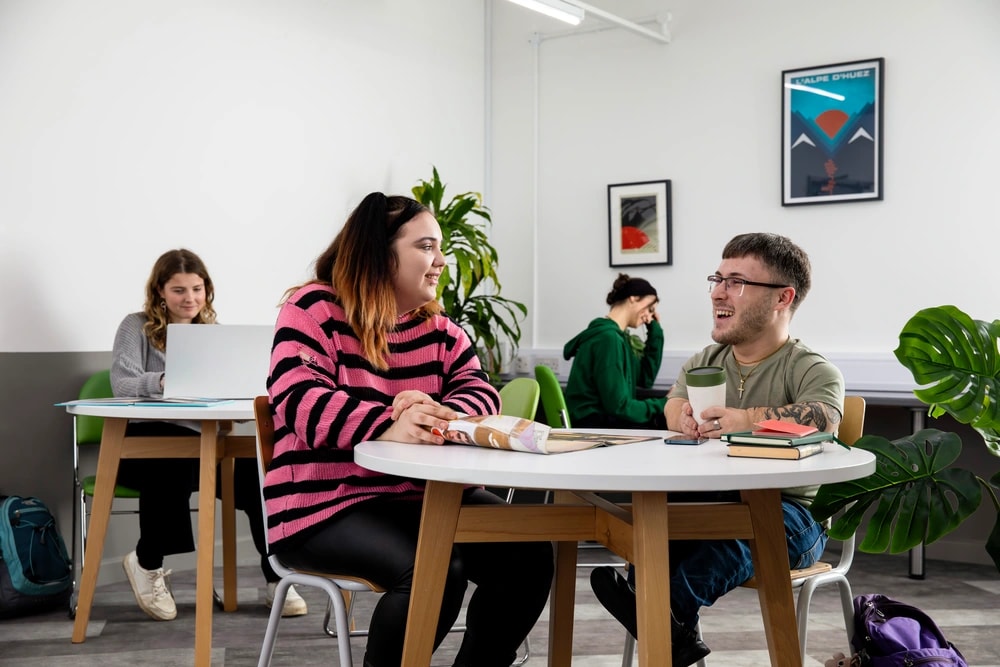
640, 224
832, 133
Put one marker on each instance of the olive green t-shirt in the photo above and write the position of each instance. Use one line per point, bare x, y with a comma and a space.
793, 374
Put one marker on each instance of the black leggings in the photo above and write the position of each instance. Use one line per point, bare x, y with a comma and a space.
165, 487
377, 540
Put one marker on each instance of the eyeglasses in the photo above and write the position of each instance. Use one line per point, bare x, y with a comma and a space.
734, 284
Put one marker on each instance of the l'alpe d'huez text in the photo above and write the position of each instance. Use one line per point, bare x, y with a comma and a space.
826, 78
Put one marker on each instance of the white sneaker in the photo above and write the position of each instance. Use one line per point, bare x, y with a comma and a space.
150, 589
294, 604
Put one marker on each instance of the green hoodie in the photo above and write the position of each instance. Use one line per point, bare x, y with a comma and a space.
606, 371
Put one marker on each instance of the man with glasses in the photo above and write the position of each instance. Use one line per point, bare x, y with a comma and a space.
760, 283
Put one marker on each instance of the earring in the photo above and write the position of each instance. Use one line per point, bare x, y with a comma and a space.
163, 305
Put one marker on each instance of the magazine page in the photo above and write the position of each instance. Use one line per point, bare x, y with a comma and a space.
524, 435
498, 432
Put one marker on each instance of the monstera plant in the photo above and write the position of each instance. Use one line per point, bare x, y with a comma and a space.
917, 495
469, 289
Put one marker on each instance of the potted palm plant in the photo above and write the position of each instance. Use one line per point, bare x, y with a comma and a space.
917, 495
469, 289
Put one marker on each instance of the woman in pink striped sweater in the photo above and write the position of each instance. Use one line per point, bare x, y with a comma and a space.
363, 353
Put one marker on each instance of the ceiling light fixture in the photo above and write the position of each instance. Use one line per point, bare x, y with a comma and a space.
573, 11
557, 9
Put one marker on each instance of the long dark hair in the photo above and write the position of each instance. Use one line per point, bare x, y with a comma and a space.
361, 267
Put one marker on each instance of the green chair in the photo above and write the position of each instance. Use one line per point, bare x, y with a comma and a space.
87, 431
519, 398
553, 401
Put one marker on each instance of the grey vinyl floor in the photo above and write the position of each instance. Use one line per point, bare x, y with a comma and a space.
963, 599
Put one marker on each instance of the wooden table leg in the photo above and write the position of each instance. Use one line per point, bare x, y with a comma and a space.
770, 563
206, 545
561, 606
104, 491
652, 584
228, 535
438, 520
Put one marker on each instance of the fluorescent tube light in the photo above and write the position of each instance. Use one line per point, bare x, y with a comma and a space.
557, 9
815, 91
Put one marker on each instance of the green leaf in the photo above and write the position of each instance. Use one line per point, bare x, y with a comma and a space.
915, 495
955, 360
469, 288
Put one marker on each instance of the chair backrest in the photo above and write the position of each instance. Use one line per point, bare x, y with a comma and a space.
264, 423
852, 426
553, 401
88, 429
519, 398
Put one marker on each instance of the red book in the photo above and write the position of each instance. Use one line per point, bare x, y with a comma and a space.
777, 427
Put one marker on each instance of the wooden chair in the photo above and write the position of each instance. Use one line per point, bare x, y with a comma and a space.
807, 580
339, 588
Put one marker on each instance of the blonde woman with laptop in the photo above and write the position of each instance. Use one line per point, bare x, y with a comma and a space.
179, 291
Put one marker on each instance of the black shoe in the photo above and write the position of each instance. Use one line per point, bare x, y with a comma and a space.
686, 647
616, 595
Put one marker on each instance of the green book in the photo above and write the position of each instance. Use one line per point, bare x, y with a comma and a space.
777, 440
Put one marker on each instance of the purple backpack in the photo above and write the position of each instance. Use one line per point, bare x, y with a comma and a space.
889, 633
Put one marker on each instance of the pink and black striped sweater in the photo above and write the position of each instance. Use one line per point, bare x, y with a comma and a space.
326, 398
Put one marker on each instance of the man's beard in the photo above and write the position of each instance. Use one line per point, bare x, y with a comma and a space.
752, 321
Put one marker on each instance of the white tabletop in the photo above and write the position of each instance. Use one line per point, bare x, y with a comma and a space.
643, 466
229, 410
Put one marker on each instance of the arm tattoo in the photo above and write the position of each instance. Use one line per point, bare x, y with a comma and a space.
817, 414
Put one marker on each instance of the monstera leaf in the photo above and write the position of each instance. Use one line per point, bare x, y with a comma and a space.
955, 360
916, 497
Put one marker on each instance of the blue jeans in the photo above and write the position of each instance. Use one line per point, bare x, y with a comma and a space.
702, 571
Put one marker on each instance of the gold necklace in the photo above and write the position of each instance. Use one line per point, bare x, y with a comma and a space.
743, 378
755, 364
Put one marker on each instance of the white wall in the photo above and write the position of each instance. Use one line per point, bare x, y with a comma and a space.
245, 130
704, 112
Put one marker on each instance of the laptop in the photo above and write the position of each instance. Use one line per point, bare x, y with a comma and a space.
217, 361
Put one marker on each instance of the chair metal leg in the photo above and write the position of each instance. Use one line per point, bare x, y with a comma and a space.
271, 632
628, 655
336, 606
847, 606
527, 654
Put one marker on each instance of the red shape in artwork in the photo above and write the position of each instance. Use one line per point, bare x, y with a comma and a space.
831, 121
633, 238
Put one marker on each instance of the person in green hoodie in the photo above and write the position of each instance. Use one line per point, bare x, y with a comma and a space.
601, 391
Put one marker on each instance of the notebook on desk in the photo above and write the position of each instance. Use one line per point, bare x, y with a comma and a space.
219, 361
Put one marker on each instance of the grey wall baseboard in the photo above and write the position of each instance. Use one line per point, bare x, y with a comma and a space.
36, 437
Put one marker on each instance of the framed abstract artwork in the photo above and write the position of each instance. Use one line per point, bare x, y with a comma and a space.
831, 133
639, 224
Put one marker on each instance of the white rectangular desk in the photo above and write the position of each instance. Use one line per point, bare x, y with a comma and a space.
639, 533
214, 444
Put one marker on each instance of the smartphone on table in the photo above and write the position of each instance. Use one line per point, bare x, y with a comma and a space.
681, 440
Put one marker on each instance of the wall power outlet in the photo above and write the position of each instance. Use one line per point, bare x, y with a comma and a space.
551, 362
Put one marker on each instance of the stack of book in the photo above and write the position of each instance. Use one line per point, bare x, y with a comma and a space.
773, 439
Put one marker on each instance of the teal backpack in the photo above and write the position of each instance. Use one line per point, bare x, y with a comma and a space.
35, 571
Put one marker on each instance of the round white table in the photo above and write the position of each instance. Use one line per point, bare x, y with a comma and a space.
639, 532
214, 444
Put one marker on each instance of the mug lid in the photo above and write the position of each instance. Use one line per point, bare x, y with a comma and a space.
705, 376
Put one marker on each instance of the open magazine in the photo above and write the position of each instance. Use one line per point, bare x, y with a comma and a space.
524, 435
